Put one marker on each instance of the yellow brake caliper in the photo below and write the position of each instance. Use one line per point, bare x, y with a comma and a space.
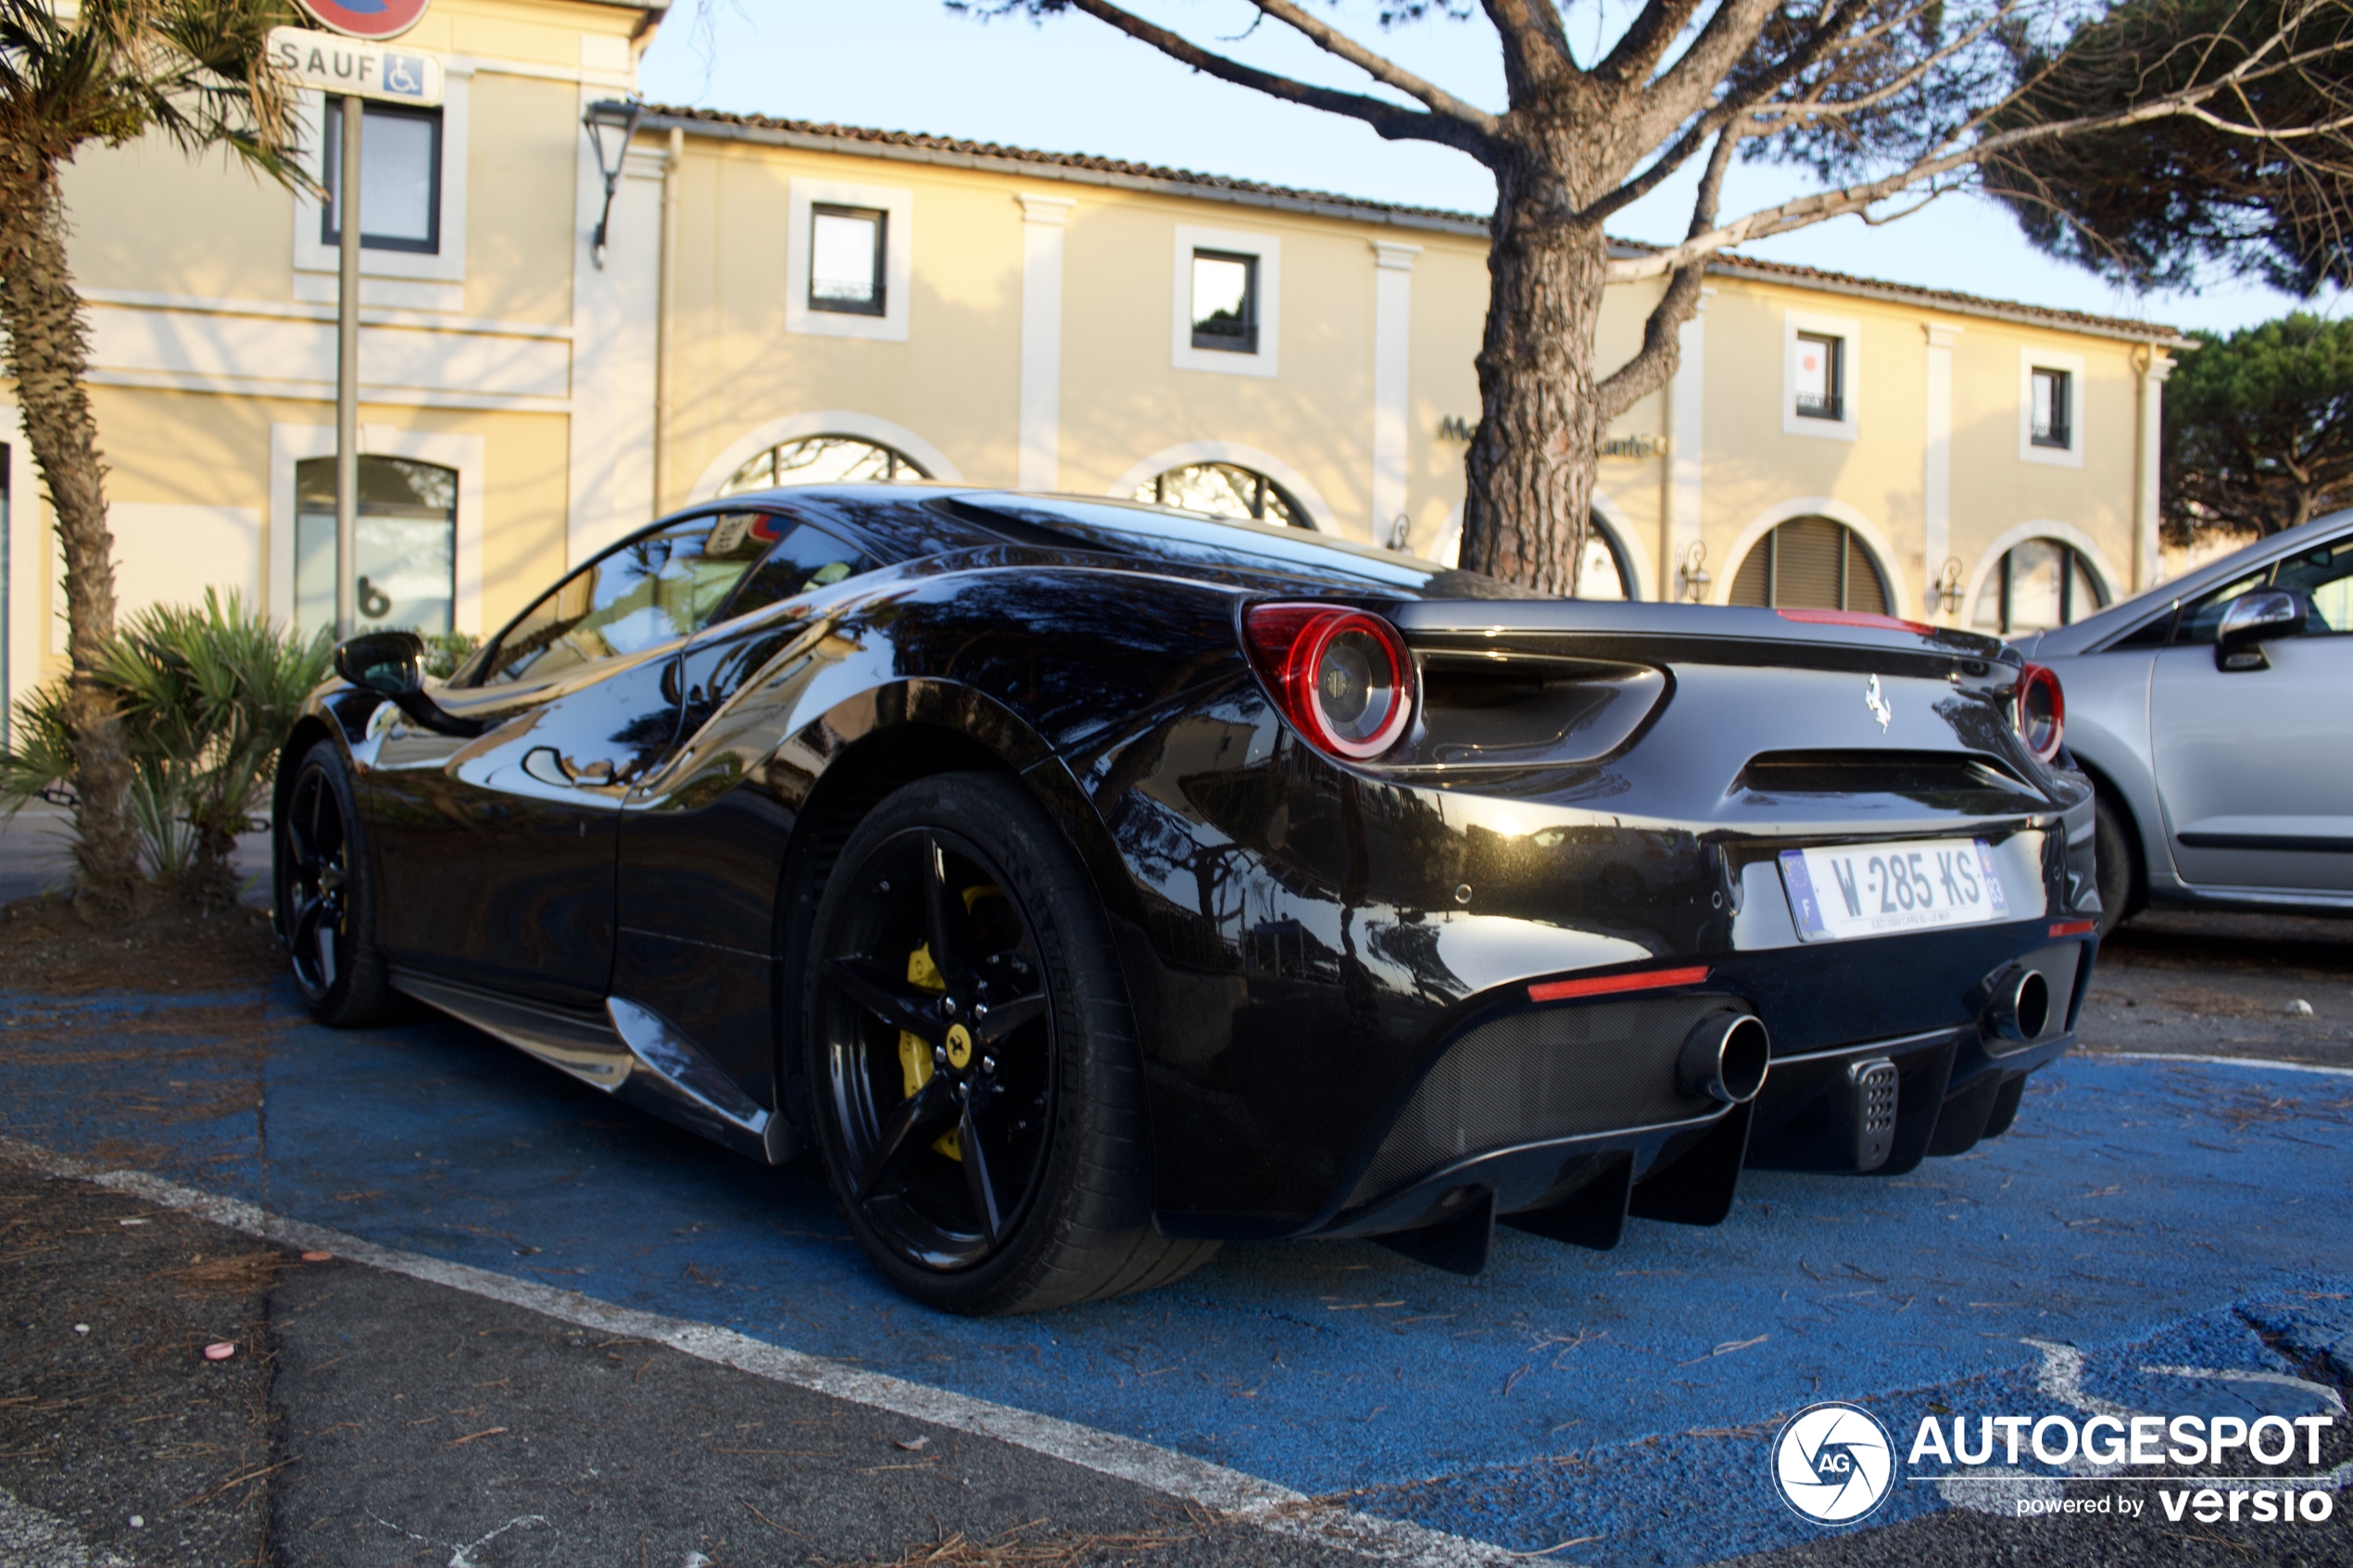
915, 1057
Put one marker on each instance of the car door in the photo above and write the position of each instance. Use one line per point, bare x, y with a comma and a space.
496, 850
703, 845
2255, 767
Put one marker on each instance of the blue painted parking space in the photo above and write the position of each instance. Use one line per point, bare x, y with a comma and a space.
2187, 1218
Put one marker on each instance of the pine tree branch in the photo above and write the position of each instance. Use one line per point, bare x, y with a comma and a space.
1662, 333
1381, 67
1392, 122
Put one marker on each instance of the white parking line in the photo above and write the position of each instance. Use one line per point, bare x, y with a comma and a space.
1228, 1492
2223, 1061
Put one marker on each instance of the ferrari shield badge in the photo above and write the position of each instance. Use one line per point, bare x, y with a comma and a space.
1877, 705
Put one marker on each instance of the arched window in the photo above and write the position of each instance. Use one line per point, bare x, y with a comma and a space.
406, 540
1812, 563
2035, 586
1225, 490
1605, 573
824, 460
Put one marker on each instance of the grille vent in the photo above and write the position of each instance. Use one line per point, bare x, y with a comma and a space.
1873, 1085
1552, 1073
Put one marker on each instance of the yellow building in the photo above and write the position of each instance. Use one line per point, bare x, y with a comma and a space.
780, 300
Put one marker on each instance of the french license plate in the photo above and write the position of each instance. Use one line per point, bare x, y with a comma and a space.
1845, 891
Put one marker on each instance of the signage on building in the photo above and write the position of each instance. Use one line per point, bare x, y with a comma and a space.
376, 19
337, 66
1455, 427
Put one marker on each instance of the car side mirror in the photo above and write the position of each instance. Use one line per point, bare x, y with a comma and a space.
2254, 619
391, 664
387, 663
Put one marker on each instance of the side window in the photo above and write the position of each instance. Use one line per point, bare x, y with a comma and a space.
657, 586
2324, 575
806, 558
2199, 619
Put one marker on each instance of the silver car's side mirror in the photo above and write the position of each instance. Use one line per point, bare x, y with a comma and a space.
2254, 619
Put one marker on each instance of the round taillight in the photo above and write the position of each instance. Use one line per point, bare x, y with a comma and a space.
1342, 677
2039, 709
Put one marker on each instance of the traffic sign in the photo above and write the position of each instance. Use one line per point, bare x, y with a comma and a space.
367, 18
337, 66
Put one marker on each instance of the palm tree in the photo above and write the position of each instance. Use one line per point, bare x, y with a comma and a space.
108, 71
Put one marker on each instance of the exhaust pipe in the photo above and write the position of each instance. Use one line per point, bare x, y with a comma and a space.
2020, 1010
1725, 1057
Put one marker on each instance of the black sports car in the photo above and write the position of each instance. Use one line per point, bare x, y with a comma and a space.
1087, 883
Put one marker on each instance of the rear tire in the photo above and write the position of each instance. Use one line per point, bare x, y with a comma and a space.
2117, 864
961, 996
325, 895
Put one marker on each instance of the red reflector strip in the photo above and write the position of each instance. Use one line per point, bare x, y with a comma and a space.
2075, 928
1609, 985
1852, 617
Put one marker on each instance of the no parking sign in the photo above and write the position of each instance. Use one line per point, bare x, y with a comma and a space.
367, 18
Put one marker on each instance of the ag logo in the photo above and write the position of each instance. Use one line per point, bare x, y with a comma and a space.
1834, 1464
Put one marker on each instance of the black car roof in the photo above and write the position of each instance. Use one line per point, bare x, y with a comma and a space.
912, 521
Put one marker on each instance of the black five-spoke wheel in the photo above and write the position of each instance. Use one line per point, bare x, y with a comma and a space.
324, 915
972, 1059
942, 1079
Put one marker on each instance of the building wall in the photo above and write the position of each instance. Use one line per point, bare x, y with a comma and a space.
520, 359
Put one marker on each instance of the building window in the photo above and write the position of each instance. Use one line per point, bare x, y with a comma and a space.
2052, 411
1225, 490
848, 259
1822, 376
1225, 301
406, 574
399, 180
2035, 586
1604, 573
848, 248
1814, 563
824, 460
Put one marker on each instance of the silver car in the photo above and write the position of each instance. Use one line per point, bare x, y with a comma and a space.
2215, 715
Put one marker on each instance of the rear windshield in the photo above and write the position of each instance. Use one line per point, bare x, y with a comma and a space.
1220, 543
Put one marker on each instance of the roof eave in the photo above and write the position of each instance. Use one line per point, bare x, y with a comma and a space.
1027, 168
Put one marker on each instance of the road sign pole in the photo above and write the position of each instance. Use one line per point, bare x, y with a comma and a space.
348, 375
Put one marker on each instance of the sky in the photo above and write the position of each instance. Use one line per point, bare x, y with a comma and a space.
1071, 84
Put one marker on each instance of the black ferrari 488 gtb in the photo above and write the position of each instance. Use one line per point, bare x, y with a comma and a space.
1083, 884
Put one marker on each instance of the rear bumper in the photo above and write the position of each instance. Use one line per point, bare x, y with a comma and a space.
1565, 1119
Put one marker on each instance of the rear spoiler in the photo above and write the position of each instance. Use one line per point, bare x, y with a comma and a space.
1698, 633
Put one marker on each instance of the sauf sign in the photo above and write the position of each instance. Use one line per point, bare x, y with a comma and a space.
339, 65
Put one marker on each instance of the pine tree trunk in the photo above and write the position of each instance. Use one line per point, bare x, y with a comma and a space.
48, 353
1532, 460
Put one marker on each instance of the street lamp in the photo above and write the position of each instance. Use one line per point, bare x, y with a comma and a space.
1948, 585
620, 118
1693, 574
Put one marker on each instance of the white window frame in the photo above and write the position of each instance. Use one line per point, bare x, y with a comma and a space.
1268, 252
2031, 359
316, 264
291, 444
1849, 332
898, 241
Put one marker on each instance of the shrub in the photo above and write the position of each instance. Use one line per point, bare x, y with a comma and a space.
207, 694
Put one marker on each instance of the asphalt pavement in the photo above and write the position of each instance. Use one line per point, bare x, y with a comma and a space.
551, 1330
